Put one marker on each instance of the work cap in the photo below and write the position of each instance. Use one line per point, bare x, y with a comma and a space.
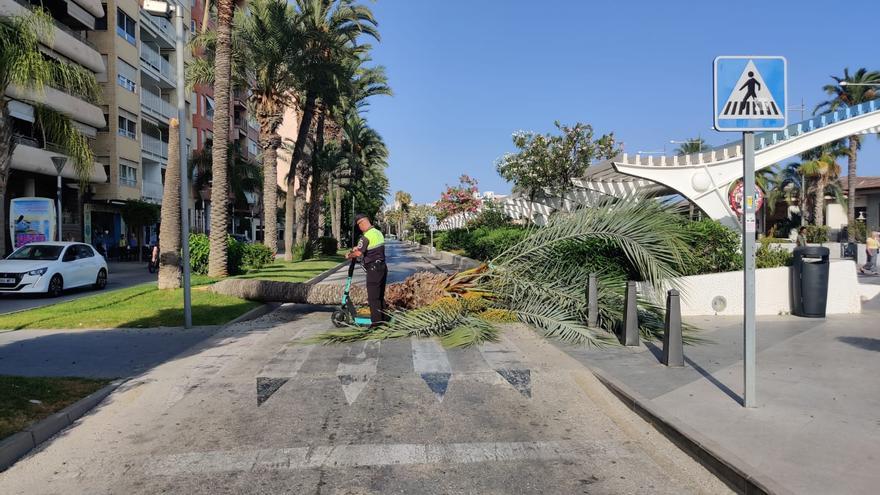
359, 217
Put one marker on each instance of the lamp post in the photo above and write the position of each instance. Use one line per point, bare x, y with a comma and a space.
699, 141
165, 9
59, 162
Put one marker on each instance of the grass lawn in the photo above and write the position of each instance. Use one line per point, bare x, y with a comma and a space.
16, 393
140, 306
300, 271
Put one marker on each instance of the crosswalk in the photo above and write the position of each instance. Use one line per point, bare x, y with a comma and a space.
357, 364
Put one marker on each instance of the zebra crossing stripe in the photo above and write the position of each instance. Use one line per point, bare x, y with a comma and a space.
283, 366
508, 362
432, 365
357, 368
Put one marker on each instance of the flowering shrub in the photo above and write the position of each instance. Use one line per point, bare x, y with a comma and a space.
460, 198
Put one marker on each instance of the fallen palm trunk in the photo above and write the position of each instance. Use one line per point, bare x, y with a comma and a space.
416, 291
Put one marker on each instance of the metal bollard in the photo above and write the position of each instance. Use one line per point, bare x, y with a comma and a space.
630, 335
673, 345
592, 301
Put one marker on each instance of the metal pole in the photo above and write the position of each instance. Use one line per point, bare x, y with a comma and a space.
749, 269
592, 301
58, 200
184, 176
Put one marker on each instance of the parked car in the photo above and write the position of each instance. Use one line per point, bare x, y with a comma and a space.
51, 267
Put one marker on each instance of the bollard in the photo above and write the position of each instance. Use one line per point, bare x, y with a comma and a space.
630, 335
592, 302
673, 346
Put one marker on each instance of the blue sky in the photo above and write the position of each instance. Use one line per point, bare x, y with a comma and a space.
468, 73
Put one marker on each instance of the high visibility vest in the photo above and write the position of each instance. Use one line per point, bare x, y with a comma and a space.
375, 238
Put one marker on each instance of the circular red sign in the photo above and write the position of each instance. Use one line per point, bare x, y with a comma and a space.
736, 197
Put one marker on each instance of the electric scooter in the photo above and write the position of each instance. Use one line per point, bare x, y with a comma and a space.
346, 314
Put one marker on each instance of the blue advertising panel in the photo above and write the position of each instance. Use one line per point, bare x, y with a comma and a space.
750, 93
31, 220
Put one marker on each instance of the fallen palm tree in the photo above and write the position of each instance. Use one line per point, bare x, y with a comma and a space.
540, 281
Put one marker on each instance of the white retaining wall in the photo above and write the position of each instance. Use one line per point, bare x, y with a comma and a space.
773, 291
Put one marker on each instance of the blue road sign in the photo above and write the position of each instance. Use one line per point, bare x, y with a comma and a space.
750, 93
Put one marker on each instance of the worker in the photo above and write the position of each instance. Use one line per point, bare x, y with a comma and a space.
371, 247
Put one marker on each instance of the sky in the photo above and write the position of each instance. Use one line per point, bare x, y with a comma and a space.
466, 74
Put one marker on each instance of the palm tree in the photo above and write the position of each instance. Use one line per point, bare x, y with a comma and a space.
271, 70
824, 170
696, 145
403, 199
786, 184
220, 185
848, 95
244, 176
23, 64
330, 29
169, 237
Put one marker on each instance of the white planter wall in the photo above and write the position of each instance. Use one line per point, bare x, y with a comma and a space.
773, 291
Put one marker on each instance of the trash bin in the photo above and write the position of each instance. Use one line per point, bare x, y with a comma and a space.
809, 281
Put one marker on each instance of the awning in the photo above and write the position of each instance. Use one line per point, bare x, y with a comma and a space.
39, 161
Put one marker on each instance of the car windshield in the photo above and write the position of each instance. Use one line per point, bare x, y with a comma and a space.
37, 252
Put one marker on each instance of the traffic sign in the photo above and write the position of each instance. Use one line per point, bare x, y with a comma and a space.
750, 93
432, 222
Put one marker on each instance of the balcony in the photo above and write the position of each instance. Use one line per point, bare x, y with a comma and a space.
71, 106
63, 40
160, 27
153, 192
155, 105
156, 148
151, 59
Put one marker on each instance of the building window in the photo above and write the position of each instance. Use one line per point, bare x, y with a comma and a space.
192, 28
126, 75
252, 147
126, 27
101, 24
127, 175
127, 128
209, 107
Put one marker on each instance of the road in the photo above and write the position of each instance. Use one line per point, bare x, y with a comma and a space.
252, 409
121, 275
403, 261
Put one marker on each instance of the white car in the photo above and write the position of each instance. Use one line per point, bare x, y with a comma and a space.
51, 267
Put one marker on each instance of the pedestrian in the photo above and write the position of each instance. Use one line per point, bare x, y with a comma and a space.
802, 237
123, 247
371, 247
872, 244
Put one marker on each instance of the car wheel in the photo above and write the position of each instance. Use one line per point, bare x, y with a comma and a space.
101, 281
56, 286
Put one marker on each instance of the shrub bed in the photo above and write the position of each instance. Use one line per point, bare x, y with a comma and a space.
240, 256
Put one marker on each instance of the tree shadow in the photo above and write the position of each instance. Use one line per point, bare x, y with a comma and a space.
866, 343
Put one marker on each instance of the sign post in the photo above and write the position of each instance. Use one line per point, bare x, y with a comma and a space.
432, 225
750, 94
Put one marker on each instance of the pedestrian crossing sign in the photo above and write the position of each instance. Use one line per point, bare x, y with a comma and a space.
750, 93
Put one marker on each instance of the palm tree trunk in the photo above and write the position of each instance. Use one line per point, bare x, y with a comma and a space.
316, 196
219, 152
169, 237
338, 207
819, 212
331, 204
270, 142
289, 216
7, 147
852, 157
301, 170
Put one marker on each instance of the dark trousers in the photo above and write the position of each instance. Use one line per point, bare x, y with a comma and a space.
377, 275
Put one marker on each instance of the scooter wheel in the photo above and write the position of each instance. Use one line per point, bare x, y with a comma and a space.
339, 318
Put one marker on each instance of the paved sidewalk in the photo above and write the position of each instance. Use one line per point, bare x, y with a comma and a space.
817, 425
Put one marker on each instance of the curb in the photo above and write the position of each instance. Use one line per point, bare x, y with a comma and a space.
18, 445
734, 471
253, 314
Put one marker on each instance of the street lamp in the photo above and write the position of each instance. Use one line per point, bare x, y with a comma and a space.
164, 9
847, 83
59, 162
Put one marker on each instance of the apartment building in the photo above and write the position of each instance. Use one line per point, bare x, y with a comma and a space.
33, 171
139, 97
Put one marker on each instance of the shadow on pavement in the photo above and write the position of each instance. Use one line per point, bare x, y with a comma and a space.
867, 343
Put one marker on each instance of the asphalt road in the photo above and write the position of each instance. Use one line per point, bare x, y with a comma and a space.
403, 261
121, 275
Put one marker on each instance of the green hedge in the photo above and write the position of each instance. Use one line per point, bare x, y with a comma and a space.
767, 256
240, 256
817, 233
714, 248
482, 244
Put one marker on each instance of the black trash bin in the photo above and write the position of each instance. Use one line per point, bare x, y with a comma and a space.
809, 281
